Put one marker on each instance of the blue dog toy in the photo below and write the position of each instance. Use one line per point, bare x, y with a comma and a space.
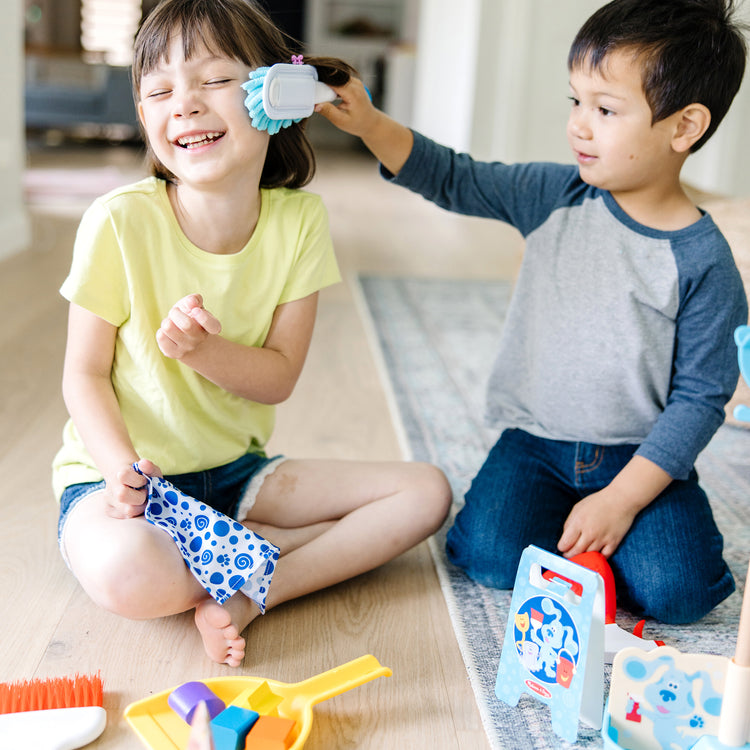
742, 339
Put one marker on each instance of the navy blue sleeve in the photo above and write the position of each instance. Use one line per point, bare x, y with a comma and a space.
522, 195
705, 367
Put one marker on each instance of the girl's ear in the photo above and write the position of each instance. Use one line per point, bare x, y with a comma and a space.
692, 123
139, 108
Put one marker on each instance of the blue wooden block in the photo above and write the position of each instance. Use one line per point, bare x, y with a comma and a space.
231, 726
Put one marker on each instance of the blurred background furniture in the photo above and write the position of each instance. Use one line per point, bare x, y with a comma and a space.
65, 91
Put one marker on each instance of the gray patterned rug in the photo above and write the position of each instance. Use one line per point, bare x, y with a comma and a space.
437, 340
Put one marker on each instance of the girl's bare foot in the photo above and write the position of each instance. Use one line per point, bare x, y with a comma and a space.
221, 638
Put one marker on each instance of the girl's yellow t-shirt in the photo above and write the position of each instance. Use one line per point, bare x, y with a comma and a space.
131, 263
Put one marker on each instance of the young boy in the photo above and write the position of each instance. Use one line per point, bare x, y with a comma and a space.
617, 356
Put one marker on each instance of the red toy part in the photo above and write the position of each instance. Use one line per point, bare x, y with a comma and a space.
598, 563
634, 713
615, 638
638, 632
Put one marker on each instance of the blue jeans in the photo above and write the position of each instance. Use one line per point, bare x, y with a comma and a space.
669, 565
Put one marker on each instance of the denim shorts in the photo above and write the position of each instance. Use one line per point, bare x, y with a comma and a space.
230, 489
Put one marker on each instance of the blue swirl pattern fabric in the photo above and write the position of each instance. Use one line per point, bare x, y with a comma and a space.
221, 553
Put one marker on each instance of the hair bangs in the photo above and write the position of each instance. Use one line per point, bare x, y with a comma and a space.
242, 30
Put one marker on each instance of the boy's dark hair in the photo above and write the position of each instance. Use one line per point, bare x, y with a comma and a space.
242, 30
691, 51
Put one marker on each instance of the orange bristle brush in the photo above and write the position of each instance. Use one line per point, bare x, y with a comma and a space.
60, 713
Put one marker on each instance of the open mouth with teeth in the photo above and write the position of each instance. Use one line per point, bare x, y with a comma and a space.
196, 141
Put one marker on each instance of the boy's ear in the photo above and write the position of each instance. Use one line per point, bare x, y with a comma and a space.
692, 123
139, 109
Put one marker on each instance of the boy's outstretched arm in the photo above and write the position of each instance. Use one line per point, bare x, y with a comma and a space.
599, 522
389, 141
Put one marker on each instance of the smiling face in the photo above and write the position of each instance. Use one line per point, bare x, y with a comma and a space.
194, 118
610, 128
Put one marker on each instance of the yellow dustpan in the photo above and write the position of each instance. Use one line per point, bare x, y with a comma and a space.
160, 728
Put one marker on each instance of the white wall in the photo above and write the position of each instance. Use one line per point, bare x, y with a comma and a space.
14, 224
491, 78
445, 78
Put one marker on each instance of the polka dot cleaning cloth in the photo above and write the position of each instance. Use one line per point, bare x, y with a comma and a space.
221, 553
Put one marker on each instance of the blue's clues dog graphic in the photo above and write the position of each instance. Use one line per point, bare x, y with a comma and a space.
671, 698
548, 644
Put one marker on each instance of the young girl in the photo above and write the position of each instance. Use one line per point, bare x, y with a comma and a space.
192, 302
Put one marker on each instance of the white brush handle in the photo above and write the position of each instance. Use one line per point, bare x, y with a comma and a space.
742, 652
734, 722
323, 93
299, 92
52, 729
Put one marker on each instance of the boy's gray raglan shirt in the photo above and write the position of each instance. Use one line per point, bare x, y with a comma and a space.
616, 333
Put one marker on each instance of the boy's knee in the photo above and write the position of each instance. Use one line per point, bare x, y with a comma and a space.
482, 564
672, 603
669, 608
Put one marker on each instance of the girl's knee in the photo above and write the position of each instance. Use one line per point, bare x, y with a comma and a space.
441, 493
123, 579
434, 495
114, 582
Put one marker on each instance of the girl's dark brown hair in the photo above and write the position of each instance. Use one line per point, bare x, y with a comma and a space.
239, 29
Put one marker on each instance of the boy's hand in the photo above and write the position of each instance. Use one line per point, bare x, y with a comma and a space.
186, 327
389, 141
126, 495
598, 523
355, 112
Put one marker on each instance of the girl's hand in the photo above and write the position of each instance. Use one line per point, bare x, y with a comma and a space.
186, 327
126, 495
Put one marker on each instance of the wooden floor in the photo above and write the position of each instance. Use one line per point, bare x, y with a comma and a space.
339, 409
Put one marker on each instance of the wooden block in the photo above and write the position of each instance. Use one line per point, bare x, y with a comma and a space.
270, 733
231, 726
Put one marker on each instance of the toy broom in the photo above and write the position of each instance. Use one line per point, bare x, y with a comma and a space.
56, 714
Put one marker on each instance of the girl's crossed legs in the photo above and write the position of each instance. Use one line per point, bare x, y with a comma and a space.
332, 520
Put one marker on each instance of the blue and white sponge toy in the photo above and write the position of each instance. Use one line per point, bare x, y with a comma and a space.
742, 339
282, 94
